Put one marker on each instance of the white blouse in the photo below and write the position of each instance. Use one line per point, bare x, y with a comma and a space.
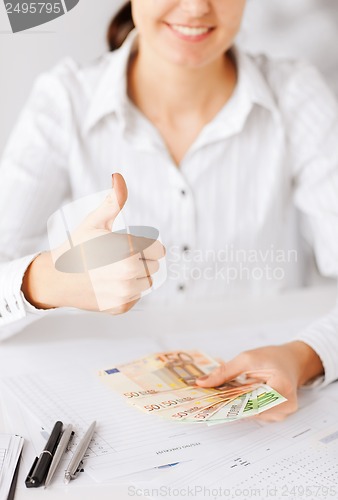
254, 195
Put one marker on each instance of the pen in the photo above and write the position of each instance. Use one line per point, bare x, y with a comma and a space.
40, 467
11, 493
76, 463
62, 446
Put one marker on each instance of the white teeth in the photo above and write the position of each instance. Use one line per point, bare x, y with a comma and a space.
186, 30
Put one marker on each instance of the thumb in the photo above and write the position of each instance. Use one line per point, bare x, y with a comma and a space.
223, 373
104, 216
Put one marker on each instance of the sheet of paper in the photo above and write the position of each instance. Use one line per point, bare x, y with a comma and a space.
19, 420
125, 441
10, 449
4, 445
295, 458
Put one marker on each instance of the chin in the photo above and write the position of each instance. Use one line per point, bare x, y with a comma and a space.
188, 60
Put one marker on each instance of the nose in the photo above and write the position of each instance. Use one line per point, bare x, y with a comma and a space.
196, 8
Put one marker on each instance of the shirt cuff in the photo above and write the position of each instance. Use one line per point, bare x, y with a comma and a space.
322, 337
13, 305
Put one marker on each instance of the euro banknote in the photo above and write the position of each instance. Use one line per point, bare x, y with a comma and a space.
164, 384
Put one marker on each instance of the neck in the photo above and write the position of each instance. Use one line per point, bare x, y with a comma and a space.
177, 90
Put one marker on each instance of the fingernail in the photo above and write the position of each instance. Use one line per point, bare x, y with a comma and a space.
112, 180
205, 377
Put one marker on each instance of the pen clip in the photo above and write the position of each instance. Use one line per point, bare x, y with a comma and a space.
78, 470
70, 441
69, 476
29, 481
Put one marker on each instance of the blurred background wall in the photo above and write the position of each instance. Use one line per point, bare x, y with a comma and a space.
79, 34
306, 29
286, 28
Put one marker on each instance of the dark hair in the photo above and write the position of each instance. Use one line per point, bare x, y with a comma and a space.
120, 26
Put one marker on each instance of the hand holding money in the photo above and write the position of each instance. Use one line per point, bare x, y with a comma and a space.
164, 384
285, 368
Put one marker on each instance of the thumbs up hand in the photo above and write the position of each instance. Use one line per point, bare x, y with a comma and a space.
96, 270
100, 221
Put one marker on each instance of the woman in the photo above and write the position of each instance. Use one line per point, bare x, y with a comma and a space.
216, 148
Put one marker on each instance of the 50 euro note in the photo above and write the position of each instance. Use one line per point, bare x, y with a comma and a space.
163, 372
151, 383
205, 414
154, 401
230, 407
156, 377
195, 411
167, 370
164, 400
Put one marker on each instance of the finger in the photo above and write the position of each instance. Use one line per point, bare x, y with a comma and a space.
286, 388
154, 251
225, 372
277, 414
105, 214
124, 307
121, 191
128, 269
116, 304
130, 289
147, 268
143, 284
256, 375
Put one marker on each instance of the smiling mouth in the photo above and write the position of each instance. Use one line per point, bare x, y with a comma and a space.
190, 30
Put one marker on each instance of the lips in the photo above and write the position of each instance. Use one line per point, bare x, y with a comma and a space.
190, 30
190, 33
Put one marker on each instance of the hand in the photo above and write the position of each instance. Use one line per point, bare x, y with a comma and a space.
288, 367
112, 288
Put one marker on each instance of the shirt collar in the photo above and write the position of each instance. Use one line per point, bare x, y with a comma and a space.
111, 93
251, 90
252, 80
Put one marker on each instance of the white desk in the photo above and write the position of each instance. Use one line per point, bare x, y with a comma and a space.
17, 353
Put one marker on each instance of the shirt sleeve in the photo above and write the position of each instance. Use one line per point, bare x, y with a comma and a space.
312, 125
34, 182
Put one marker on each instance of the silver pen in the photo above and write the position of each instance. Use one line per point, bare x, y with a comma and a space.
62, 446
76, 463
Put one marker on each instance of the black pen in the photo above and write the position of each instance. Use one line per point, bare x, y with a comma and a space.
39, 470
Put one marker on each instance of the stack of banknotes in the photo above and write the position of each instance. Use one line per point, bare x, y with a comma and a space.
164, 384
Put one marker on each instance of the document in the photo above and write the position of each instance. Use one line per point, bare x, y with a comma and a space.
10, 450
296, 458
125, 441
